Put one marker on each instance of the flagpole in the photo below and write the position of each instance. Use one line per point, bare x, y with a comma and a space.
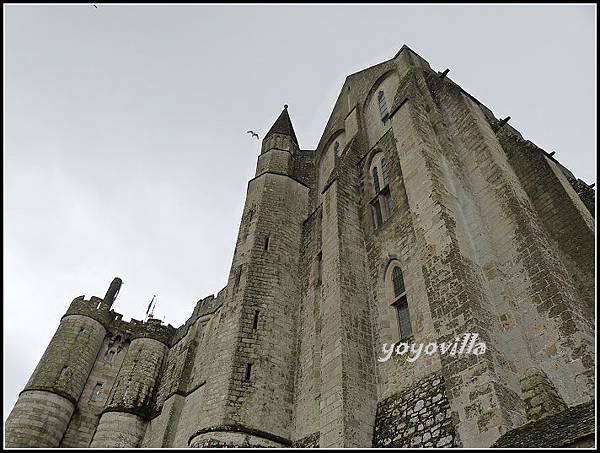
148, 309
153, 307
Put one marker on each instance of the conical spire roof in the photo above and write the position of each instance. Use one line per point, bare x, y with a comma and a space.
283, 125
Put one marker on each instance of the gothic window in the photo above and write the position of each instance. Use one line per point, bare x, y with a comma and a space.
398, 282
400, 304
386, 171
404, 320
389, 203
382, 203
377, 217
376, 179
383, 110
110, 356
96, 391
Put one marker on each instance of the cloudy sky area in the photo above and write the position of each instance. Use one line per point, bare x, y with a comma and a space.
126, 151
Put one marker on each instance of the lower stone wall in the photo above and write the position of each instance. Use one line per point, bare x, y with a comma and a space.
310, 441
119, 430
39, 419
418, 416
229, 439
573, 427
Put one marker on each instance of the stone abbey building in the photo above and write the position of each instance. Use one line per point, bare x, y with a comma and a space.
419, 217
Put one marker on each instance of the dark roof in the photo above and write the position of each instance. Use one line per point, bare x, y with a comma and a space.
556, 430
283, 125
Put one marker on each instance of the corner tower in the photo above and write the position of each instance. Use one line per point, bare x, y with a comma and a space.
259, 315
43, 411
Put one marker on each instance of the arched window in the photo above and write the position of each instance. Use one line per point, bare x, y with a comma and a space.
377, 216
381, 202
400, 304
376, 180
383, 110
110, 356
398, 281
96, 391
385, 171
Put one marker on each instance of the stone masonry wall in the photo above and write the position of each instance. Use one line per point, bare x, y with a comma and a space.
567, 221
87, 413
446, 217
418, 416
395, 242
136, 384
308, 369
119, 430
269, 295
541, 397
69, 358
493, 237
39, 419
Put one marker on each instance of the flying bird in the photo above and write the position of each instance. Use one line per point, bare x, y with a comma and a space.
254, 134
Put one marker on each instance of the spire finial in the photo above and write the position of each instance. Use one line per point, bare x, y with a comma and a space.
285, 106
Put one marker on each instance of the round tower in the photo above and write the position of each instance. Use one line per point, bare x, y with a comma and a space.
130, 402
44, 408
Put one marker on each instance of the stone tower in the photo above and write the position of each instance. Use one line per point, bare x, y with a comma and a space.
418, 218
44, 409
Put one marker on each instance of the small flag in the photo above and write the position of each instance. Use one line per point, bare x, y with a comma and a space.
150, 305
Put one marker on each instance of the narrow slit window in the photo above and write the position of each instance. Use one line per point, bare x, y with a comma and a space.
336, 148
238, 276
267, 243
64, 372
319, 268
385, 171
248, 372
383, 110
96, 391
255, 323
110, 356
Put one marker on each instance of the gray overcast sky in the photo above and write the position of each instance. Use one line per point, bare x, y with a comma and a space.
126, 151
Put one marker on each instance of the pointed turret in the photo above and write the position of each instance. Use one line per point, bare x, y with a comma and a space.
283, 125
281, 135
